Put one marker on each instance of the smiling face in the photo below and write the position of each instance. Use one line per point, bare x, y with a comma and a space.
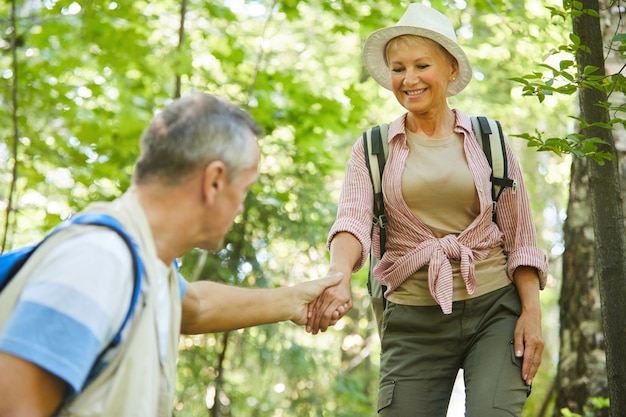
420, 71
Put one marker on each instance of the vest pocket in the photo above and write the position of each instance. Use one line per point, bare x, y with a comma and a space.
385, 394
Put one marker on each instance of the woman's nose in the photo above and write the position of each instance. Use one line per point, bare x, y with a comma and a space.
411, 77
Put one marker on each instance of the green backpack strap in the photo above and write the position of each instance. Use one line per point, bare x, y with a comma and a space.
495, 152
376, 149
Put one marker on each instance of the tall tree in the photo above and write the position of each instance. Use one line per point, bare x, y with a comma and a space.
582, 366
582, 361
581, 346
608, 214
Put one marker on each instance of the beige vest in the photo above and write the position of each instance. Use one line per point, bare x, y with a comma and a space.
135, 383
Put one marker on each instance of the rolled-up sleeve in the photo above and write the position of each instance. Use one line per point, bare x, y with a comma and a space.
514, 217
355, 211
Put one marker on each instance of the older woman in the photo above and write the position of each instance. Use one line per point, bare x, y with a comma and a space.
462, 289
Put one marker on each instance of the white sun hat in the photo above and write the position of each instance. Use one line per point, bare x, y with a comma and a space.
422, 21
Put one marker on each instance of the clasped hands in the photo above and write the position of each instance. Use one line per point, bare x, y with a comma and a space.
330, 306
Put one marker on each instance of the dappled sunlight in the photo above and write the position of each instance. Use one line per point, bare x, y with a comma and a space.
88, 76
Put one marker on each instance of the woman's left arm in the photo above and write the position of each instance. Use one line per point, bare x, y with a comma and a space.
528, 336
515, 219
527, 267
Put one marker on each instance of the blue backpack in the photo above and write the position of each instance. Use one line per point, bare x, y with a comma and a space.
11, 262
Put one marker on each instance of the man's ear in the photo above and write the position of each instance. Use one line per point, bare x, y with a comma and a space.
214, 181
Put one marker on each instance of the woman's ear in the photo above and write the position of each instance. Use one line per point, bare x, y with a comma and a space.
214, 181
455, 70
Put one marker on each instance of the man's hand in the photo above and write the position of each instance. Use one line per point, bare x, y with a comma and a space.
329, 307
306, 292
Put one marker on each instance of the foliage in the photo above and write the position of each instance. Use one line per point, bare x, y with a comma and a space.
596, 403
88, 76
80, 106
567, 78
596, 92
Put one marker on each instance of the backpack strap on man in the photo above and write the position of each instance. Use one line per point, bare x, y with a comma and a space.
11, 262
495, 152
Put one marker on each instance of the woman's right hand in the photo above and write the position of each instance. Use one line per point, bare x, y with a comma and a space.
330, 306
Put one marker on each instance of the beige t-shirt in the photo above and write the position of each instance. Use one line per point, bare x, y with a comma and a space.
438, 187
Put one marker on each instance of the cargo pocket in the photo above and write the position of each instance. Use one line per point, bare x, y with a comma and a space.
385, 394
512, 391
518, 362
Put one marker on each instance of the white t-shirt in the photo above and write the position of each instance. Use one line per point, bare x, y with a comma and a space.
75, 303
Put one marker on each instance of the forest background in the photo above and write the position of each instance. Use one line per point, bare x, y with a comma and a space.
80, 80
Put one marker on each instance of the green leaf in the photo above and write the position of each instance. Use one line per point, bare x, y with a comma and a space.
590, 69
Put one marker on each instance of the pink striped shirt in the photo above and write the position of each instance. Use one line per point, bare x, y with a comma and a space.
412, 245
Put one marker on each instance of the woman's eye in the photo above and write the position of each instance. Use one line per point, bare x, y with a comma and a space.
397, 70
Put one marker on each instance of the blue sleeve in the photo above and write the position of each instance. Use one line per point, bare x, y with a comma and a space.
52, 340
182, 286
72, 305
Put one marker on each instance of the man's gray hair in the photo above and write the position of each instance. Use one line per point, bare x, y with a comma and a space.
191, 132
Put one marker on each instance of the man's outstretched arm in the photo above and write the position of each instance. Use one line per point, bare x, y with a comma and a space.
210, 307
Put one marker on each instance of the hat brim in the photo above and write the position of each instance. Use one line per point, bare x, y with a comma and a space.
374, 55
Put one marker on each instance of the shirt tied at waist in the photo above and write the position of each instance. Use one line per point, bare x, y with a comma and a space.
440, 270
437, 253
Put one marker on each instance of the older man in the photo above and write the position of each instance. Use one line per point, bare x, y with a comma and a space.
198, 159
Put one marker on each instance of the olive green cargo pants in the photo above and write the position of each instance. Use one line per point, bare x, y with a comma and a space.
422, 350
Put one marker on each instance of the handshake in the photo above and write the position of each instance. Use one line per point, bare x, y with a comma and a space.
320, 303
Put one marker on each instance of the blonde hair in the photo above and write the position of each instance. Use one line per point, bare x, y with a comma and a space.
415, 40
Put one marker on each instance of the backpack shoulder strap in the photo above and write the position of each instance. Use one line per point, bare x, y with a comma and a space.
376, 149
12, 261
495, 152
100, 219
376, 152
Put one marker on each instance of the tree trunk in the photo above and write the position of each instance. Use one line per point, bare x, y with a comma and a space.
14, 44
607, 214
581, 372
216, 411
